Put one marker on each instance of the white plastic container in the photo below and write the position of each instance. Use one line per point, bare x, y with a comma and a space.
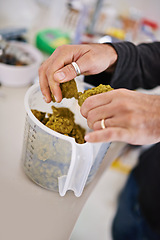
55, 161
19, 76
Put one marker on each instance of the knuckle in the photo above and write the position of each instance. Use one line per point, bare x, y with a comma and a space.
89, 123
109, 134
112, 135
124, 106
96, 126
92, 61
90, 116
122, 91
48, 72
70, 70
110, 122
84, 111
60, 49
87, 103
41, 69
91, 58
133, 120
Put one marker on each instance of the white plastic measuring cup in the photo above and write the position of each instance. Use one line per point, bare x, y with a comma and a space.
55, 161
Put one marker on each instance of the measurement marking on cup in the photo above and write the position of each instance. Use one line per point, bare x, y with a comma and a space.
30, 146
33, 136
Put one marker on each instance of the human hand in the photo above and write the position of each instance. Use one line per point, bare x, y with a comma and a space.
130, 117
91, 59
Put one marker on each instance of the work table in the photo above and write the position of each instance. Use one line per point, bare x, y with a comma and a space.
28, 211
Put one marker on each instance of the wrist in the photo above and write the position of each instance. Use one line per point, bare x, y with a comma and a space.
113, 58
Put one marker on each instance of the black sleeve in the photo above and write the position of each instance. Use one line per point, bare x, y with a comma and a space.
137, 66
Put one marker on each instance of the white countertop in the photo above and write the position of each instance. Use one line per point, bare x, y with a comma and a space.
28, 211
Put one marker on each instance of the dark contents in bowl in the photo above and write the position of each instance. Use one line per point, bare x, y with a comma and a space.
11, 60
14, 55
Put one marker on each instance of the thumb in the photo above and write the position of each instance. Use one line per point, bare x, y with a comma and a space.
65, 74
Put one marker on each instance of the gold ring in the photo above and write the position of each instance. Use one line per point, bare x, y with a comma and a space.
103, 124
76, 68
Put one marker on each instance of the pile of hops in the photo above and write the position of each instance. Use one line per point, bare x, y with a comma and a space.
62, 119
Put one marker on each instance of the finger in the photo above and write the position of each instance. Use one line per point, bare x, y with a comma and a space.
95, 101
55, 90
109, 135
44, 85
102, 112
114, 121
107, 123
62, 68
65, 74
46, 73
66, 71
61, 59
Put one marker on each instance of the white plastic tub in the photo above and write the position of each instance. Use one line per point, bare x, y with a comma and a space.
55, 161
19, 76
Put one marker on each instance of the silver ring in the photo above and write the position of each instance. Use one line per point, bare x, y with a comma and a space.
76, 68
103, 124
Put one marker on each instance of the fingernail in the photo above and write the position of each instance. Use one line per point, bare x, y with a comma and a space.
56, 98
45, 99
86, 137
60, 75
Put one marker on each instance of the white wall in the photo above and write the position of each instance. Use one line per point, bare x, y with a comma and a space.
33, 15
148, 8
29, 13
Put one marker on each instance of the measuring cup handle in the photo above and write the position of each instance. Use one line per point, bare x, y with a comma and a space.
80, 166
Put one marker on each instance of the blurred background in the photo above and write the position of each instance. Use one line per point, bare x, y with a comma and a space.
46, 24
126, 20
